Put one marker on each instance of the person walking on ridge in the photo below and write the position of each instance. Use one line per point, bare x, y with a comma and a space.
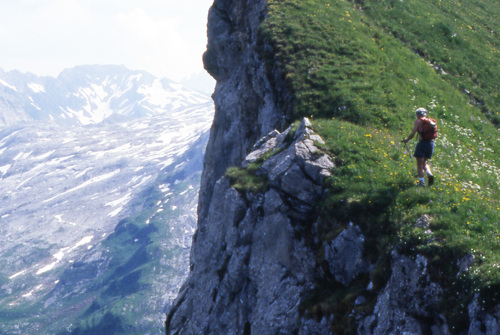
424, 149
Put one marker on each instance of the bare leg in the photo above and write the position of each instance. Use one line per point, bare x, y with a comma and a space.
430, 177
427, 167
421, 166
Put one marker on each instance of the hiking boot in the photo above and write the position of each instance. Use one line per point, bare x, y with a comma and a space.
430, 179
420, 184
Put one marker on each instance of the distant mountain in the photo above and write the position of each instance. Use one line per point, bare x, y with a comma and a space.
99, 172
89, 95
201, 82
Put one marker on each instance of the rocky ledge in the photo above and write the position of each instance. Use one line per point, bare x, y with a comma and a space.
250, 267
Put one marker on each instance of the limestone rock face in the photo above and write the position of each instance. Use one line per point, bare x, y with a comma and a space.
406, 305
250, 269
482, 323
408, 298
344, 255
248, 99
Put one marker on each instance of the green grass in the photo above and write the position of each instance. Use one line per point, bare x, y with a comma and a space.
244, 180
359, 70
459, 37
341, 61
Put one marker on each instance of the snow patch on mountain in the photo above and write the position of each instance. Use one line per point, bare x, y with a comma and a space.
4, 169
6, 84
68, 183
88, 95
36, 88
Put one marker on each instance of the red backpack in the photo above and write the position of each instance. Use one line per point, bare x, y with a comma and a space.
429, 129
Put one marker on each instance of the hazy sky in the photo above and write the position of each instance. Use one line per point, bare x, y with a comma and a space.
164, 37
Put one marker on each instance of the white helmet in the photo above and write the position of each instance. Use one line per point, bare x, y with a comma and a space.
421, 112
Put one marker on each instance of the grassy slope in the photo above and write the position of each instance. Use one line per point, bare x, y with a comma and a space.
359, 69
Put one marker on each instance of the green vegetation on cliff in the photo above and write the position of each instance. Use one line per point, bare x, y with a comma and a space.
359, 69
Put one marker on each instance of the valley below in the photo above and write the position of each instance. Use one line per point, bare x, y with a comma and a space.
96, 219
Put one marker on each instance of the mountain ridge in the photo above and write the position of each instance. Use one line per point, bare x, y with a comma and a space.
90, 94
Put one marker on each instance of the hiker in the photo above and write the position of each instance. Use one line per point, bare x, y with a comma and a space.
425, 147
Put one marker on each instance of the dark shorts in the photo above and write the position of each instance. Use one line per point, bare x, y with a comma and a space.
424, 149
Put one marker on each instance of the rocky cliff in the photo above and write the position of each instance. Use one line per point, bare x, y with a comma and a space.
258, 265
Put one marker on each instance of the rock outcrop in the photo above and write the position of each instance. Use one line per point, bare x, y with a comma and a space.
251, 270
248, 100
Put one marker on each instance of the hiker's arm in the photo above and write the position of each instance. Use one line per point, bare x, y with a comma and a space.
413, 132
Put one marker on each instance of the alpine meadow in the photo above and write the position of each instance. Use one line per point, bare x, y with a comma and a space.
358, 70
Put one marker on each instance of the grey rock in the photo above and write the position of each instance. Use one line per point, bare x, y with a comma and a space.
360, 300
319, 169
305, 149
408, 296
481, 322
266, 144
422, 222
304, 130
249, 271
440, 327
296, 184
277, 166
251, 278
344, 255
311, 327
465, 263
247, 105
315, 165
